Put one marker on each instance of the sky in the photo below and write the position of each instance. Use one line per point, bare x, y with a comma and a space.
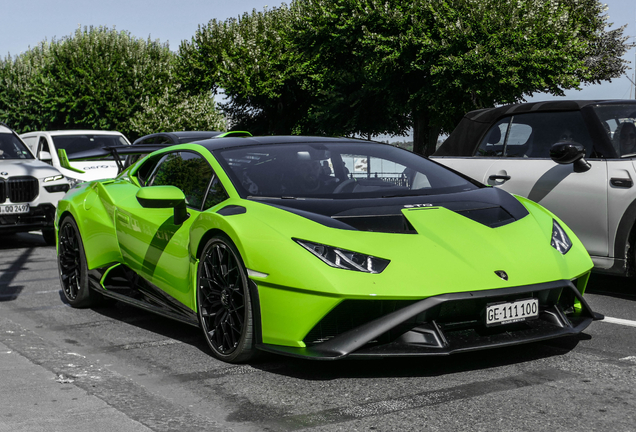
25, 23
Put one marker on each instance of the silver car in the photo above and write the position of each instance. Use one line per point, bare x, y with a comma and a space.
577, 158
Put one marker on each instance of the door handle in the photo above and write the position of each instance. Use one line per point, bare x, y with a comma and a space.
499, 177
622, 182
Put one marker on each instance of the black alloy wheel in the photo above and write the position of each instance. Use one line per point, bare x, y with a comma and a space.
224, 305
72, 266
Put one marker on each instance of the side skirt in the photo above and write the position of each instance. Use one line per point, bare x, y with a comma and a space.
123, 284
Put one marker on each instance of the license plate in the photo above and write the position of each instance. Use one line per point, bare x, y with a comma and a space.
512, 312
14, 208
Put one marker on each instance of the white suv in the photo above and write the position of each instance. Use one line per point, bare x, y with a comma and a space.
29, 189
45, 145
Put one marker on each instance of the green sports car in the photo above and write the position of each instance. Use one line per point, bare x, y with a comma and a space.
322, 248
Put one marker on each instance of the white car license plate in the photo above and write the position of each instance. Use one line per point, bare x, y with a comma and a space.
511, 312
14, 208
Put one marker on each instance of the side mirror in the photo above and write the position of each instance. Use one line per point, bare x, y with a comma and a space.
164, 197
570, 153
45, 156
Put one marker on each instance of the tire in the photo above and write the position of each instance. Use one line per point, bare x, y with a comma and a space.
224, 304
72, 265
49, 236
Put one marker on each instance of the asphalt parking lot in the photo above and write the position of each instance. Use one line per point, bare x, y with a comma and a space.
119, 368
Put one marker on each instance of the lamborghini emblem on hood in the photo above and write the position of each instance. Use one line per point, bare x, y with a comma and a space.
502, 274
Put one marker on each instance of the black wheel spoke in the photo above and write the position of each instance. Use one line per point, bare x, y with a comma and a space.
222, 297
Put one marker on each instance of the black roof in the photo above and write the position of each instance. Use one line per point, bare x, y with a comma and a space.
475, 124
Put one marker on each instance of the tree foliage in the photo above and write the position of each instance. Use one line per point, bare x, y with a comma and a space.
97, 78
430, 61
252, 61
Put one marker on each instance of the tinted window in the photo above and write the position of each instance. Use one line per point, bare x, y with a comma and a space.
12, 148
188, 171
619, 122
335, 170
532, 135
79, 143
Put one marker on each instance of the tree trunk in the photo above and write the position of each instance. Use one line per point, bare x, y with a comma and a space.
424, 134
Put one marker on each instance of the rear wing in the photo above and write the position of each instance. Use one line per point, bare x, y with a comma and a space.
118, 151
115, 151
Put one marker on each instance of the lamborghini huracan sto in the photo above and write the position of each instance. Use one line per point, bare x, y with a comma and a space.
322, 248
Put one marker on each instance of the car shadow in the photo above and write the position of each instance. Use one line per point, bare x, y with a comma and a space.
319, 370
22, 240
8, 272
612, 286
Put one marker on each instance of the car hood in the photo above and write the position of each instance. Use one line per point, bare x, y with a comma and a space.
489, 206
442, 250
26, 167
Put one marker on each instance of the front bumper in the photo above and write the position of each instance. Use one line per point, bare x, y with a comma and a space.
441, 325
38, 217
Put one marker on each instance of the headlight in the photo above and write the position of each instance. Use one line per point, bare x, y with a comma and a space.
345, 259
73, 181
560, 240
53, 178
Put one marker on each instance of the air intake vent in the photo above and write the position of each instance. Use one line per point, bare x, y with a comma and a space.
22, 189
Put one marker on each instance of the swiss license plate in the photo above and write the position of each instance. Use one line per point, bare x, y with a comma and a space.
14, 208
512, 312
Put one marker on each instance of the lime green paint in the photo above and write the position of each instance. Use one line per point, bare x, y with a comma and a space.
64, 162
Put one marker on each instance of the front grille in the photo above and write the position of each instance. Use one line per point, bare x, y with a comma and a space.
19, 189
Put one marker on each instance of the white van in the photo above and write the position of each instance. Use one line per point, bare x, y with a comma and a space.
45, 145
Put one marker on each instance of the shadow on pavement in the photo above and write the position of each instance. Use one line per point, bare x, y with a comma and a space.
22, 240
613, 286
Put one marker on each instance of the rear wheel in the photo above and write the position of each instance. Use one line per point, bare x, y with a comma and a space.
224, 305
72, 265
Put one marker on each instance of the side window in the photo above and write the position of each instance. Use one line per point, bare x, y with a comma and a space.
532, 135
216, 194
43, 146
493, 143
32, 143
188, 171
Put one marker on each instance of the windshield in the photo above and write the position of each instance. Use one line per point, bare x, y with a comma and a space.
335, 170
619, 122
79, 143
12, 148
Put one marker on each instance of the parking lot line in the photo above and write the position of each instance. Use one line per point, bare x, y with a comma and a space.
620, 321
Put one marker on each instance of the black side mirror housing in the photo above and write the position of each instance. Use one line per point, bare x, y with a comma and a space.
570, 153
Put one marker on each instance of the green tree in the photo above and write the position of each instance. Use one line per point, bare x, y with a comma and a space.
427, 62
96, 78
252, 61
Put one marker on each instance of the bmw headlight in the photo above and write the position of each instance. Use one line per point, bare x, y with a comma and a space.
73, 181
345, 259
560, 240
53, 178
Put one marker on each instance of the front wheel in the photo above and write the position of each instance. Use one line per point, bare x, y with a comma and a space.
224, 305
72, 265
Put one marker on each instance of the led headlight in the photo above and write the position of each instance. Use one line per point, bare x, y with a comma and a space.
345, 259
53, 178
560, 240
